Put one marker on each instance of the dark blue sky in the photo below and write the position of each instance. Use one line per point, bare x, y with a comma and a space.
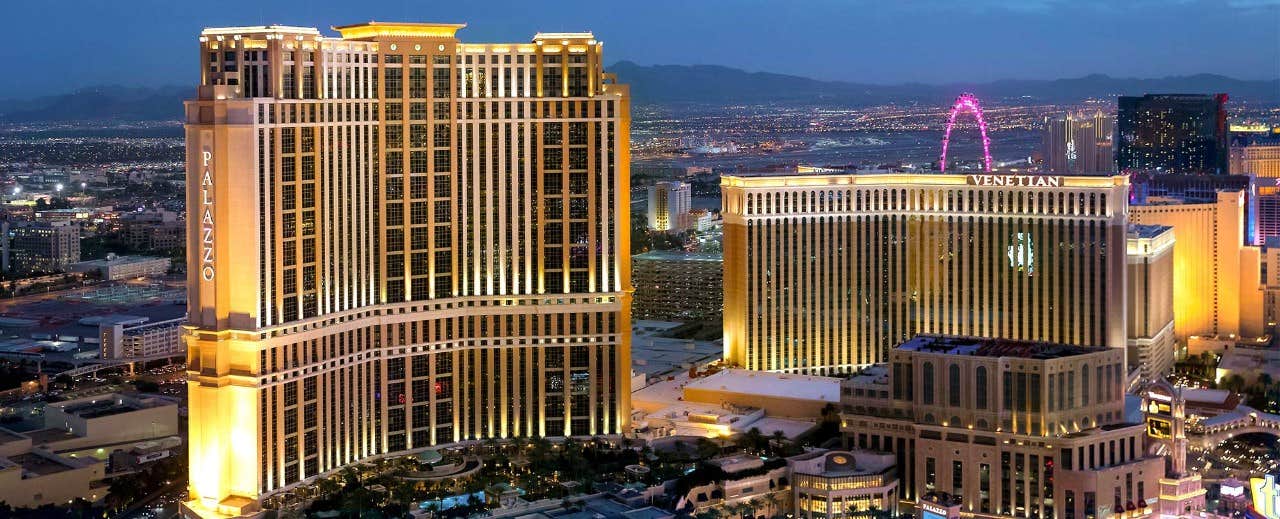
52, 46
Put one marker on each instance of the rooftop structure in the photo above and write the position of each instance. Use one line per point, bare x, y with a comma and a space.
984, 347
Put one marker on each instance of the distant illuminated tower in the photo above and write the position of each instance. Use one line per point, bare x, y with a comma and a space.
399, 241
1074, 144
1172, 133
669, 206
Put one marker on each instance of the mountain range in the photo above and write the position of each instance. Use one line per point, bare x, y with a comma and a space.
694, 84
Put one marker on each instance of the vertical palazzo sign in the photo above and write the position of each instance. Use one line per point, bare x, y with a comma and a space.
206, 216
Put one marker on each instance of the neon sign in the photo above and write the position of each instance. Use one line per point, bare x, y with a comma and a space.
206, 218
1015, 180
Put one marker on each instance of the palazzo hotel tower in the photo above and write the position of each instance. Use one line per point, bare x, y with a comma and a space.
399, 240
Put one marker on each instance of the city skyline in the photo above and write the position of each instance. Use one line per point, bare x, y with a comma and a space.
893, 43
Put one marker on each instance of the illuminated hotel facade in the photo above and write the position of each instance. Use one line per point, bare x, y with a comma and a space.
825, 273
1015, 428
399, 240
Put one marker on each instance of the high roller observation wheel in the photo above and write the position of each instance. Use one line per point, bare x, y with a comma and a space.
967, 102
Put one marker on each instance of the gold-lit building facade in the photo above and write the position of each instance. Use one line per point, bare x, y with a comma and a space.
399, 240
1015, 428
1150, 300
825, 273
1217, 281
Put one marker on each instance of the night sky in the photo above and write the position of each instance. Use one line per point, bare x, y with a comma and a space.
52, 47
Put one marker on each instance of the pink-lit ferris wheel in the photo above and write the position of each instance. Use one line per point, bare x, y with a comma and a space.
967, 103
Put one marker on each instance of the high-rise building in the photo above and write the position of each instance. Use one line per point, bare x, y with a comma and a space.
1014, 428
1150, 300
1217, 285
1256, 154
1178, 133
1075, 144
823, 274
677, 285
1157, 187
399, 240
38, 247
669, 206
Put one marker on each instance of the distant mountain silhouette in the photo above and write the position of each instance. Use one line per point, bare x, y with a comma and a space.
107, 102
724, 85
700, 84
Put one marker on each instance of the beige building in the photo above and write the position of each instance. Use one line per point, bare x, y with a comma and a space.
825, 273
104, 421
778, 394
1016, 428
669, 204
1217, 285
838, 484
115, 268
31, 477
1258, 159
399, 240
40, 247
131, 338
1150, 300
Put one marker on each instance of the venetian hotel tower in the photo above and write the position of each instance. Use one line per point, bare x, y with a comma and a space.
398, 241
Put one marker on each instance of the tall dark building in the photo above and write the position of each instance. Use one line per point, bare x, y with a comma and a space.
1182, 133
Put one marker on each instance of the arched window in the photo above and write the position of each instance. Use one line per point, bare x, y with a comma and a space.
927, 390
1084, 385
953, 376
980, 380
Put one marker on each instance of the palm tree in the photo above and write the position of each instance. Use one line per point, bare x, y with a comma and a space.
773, 501
779, 438
754, 505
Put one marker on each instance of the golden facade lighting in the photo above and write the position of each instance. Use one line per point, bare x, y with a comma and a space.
400, 246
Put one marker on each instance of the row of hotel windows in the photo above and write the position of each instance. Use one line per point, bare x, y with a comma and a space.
980, 200
338, 111
1106, 390
484, 327
419, 401
230, 58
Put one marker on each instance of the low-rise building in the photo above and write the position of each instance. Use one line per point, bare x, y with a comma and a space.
31, 477
779, 394
115, 268
105, 421
840, 484
128, 338
739, 481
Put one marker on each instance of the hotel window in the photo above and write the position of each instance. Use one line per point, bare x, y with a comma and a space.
927, 386
953, 374
980, 380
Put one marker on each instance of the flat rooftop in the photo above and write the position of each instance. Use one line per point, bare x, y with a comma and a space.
1148, 231
43, 436
7, 436
671, 255
767, 384
39, 465
661, 355
118, 260
983, 347
90, 410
